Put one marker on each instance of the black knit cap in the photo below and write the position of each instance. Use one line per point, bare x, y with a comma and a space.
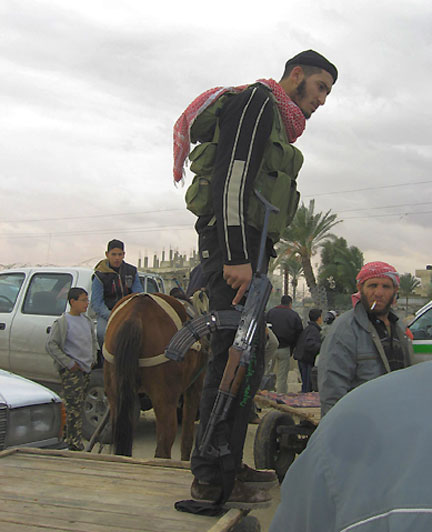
312, 58
115, 244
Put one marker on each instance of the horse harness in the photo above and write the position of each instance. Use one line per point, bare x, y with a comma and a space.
154, 360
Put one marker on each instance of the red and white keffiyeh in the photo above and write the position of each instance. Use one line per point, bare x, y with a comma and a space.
378, 269
292, 117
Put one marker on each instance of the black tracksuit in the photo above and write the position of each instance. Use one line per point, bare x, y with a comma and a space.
306, 350
245, 126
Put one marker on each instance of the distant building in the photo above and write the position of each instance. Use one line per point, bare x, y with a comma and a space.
174, 268
425, 277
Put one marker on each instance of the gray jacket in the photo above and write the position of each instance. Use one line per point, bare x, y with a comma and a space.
352, 354
57, 338
367, 467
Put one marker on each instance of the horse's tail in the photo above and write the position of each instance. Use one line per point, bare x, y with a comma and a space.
126, 359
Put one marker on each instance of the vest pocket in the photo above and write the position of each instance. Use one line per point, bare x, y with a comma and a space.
285, 196
283, 157
276, 157
198, 195
281, 191
202, 158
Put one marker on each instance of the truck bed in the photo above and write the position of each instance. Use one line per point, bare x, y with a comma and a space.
43, 490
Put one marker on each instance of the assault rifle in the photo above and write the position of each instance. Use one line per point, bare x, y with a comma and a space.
240, 352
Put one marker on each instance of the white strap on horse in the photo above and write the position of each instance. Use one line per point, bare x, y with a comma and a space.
156, 359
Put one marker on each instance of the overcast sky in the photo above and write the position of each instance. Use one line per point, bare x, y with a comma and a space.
90, 91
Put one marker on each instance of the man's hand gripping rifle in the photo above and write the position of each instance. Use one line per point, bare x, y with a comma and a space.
240, 352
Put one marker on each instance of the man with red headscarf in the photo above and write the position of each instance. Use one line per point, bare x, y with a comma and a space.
365, 342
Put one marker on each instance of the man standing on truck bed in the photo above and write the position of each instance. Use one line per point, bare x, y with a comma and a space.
112, 280
245, 135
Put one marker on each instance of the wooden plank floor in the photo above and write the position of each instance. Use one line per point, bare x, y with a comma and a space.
68, 491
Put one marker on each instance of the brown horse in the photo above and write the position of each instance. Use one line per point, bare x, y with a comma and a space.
139, 330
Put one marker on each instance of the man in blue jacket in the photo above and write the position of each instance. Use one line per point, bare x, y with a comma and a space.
113, 279
367, 467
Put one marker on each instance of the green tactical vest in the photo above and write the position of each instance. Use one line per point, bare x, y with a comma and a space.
276, 178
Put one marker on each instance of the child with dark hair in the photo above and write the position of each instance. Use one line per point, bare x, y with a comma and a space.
73, 346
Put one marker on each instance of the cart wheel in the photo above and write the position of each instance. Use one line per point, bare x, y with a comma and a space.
268, 451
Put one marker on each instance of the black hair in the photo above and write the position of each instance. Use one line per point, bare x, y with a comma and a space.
74, 293
307, 69
286, 300
115, 244
310, 58
315, 314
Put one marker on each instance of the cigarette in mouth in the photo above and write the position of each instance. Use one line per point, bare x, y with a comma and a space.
373, 305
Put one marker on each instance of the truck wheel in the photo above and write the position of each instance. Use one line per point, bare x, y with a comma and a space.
268, 451
95, 404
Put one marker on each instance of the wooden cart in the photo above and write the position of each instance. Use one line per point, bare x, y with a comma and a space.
285, 430
44, 490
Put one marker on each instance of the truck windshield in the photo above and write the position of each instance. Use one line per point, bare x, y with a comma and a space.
10, 284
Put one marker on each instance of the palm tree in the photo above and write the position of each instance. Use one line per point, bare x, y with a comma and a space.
408, 283
307, 232
341, 264
291, 266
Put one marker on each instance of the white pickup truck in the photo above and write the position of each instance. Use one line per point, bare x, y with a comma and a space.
30, 300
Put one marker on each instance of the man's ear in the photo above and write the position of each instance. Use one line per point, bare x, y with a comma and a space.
106, 254
297, 74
